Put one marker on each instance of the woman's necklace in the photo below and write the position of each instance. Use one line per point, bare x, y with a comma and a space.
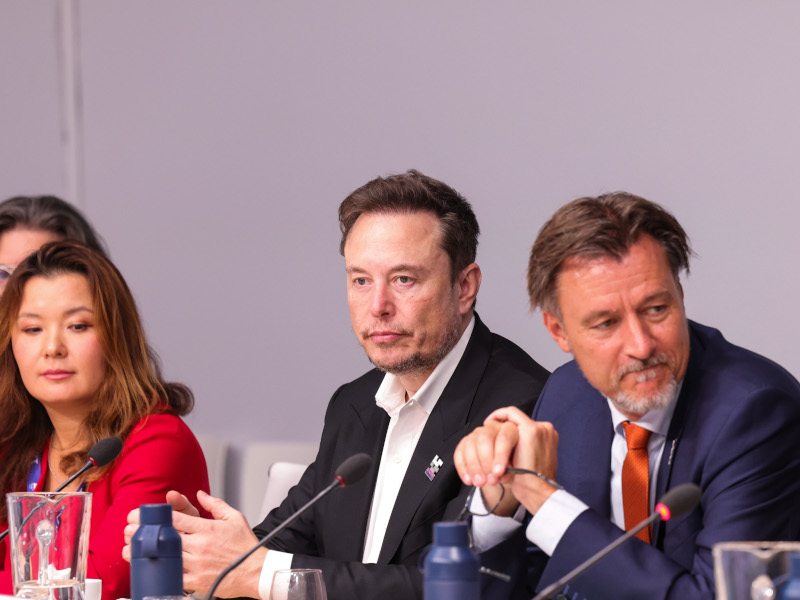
54, 474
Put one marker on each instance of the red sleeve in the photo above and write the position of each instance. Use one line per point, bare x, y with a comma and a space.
159, 455
5, 565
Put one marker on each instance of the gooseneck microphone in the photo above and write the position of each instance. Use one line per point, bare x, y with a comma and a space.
677, 501
349, 472
102, 453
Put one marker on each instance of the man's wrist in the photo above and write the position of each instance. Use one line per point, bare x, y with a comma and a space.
245, 579
274, 560
533, 493
499, 500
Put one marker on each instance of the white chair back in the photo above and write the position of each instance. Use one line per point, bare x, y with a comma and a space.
256, 459
281, 478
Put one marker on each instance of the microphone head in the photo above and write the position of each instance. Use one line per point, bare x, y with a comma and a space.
104, 451
679, 500
353, 469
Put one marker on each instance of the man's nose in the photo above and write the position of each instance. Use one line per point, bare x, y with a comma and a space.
639, 340
381, 304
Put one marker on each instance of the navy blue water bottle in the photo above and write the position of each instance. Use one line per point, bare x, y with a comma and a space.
156, 563
451, 570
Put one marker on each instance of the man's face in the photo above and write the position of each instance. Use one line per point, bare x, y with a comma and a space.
404, 309
624, 322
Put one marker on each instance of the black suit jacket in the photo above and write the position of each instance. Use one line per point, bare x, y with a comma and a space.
492, 373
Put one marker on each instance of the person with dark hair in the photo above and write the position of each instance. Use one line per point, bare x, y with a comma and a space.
75, 368
651, 400
28, 222
409, 244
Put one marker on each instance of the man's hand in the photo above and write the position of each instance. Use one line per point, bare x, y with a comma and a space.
537, 450
210, 545
508, 437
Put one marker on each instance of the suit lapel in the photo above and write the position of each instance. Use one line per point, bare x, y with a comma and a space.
676, 427
593, 463
354, 502
443, 430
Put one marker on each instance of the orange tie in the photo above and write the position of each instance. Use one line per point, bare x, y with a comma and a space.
636, 479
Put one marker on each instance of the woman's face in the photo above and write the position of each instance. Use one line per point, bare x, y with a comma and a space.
16, 244
56, 345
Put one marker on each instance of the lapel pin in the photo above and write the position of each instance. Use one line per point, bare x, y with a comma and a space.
672, 452
432, 470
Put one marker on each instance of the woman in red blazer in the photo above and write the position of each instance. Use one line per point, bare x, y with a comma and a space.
75, 368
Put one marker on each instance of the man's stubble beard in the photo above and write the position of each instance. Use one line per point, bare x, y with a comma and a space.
418, 362
640, 406
659, 400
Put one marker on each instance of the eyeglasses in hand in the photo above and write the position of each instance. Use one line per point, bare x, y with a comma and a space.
490, 511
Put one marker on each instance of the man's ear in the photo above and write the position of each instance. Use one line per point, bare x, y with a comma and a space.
469, 282
555, 328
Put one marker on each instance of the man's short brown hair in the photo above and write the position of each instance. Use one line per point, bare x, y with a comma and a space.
412, 192
607, 225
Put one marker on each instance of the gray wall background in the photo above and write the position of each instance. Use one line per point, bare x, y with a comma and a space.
216, 139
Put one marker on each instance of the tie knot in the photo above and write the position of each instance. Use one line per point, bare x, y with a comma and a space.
636, 437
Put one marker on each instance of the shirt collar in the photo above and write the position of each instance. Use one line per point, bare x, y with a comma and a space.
391, 396
656, 420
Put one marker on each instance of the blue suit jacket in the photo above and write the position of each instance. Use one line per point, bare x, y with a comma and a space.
734, 433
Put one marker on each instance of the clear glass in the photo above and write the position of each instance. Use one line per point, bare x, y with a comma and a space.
49, 543
298, 584
751, 570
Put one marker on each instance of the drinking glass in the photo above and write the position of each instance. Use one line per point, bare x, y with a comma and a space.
752, 570
298, 584
49, 543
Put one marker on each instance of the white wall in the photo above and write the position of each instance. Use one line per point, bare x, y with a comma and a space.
30, 144
221, 136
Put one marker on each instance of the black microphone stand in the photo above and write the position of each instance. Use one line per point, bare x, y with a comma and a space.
349, 472
554, 587
331, 486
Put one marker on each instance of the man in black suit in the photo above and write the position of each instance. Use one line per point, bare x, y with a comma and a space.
409, 243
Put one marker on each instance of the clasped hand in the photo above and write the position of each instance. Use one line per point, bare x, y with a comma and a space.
508, 437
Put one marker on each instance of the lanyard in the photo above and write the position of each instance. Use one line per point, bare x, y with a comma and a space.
35, 474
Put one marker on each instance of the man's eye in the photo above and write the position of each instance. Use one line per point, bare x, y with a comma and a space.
603, 325
657, 310
360, 281
404, 279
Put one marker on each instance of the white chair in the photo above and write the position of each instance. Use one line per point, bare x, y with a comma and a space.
216, 452
256, 460
282, 476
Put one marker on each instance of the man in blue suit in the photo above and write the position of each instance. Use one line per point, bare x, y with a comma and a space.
651, 400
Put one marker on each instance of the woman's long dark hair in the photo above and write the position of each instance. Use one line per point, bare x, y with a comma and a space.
133, 387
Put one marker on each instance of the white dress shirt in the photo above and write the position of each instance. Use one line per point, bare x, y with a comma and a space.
407, 418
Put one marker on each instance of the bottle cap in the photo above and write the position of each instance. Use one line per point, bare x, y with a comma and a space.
451, 533
155, 514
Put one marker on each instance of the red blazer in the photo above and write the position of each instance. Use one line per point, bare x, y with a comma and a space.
159, 454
